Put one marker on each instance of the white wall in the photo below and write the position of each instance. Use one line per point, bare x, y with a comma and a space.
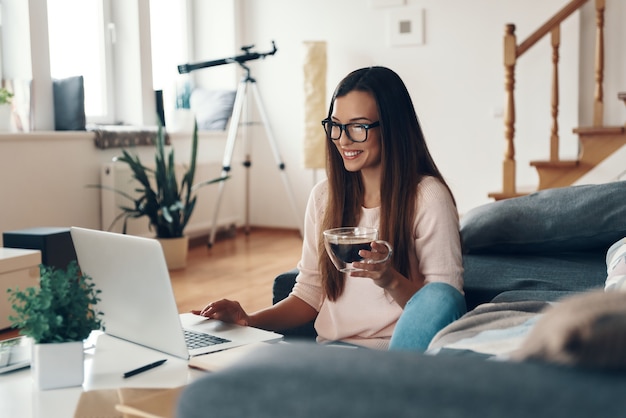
44, 179
456, 80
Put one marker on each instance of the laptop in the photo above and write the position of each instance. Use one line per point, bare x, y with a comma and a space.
138, 302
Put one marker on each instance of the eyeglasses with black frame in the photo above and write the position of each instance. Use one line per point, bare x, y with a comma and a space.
356, 132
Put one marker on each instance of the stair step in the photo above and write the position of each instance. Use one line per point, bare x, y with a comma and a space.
596, 142
521, 191
554, 164
599, 130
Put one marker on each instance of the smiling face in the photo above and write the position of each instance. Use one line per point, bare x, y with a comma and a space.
358, 107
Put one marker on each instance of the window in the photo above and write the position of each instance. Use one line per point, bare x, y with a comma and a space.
90, 54
83, 48
125, 50
1, 75
169, 40
168, 23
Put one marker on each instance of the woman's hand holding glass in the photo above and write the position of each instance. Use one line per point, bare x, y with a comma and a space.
376, 264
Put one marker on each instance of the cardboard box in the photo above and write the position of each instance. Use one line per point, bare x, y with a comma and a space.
18, 268
55, 244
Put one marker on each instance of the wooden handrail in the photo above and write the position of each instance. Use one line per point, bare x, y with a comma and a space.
512, 52
547, 27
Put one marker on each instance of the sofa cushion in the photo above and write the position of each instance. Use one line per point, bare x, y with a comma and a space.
308, 380
283, 284
212, 108
487, 276
575, 218
69, 104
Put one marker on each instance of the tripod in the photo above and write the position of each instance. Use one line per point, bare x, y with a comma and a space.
240, 99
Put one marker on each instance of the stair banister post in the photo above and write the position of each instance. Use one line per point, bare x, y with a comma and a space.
554, 137
598, 104
510, 56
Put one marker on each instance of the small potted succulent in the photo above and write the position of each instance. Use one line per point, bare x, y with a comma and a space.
57, 315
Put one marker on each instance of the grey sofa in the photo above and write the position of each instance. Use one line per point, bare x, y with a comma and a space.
541, 247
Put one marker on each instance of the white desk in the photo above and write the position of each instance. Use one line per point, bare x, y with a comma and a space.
104, 366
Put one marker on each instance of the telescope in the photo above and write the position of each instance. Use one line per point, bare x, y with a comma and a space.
240, 59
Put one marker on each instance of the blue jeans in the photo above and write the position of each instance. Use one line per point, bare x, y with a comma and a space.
429, 310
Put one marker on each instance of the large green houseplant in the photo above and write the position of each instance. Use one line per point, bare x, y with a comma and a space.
167, 202
57, 315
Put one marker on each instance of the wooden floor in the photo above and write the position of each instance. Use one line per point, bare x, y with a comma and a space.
240, 268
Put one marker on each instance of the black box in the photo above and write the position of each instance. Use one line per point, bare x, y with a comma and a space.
55, 244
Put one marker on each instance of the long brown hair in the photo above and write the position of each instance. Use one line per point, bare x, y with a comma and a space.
405, 161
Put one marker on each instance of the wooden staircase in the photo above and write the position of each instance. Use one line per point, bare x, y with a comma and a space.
596, 143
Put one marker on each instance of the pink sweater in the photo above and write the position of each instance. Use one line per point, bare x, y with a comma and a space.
365, 314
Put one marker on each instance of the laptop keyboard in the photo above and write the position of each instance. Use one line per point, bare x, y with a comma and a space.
199, 339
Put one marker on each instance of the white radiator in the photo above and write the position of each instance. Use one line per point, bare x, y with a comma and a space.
118, 176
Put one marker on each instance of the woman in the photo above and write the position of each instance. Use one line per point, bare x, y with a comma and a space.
379, 174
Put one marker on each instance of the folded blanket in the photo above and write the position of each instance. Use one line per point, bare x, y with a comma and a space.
491, 328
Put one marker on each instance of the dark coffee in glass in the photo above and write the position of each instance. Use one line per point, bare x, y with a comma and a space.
343, 246
348, 252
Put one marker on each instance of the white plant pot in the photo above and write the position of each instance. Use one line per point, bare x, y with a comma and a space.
58, 365
175, 251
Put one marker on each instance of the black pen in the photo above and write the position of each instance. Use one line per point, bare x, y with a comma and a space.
144, 368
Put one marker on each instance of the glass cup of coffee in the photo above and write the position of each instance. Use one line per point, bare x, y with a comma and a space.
343, 246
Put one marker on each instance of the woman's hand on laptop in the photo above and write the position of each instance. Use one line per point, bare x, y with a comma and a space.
225, 310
